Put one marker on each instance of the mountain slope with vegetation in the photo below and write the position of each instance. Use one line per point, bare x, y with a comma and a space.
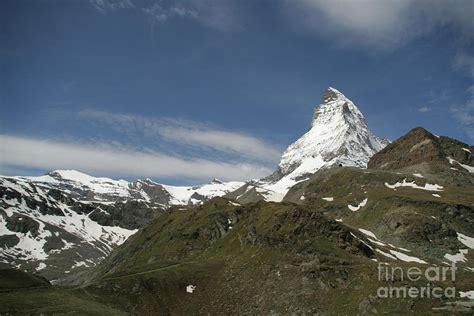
319, 250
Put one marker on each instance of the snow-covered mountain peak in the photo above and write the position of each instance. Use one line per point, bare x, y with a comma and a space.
148, 181
69, 175
336, 107
77, 176
73, 179
338, 136
332, 94
84, 187
216, 181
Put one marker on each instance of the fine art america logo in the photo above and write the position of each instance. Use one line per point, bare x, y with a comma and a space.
427, 277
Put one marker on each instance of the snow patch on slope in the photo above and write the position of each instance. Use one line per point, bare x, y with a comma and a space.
467, 167
406, 258
467, 294
466, 240
356, 208
404, 183
460, 256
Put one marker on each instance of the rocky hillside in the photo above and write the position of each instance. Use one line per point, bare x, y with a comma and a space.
339, 135
416, 216
64, 222
420, 146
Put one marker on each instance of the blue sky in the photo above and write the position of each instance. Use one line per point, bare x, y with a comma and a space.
185, 91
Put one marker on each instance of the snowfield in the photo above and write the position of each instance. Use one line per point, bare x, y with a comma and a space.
30, 247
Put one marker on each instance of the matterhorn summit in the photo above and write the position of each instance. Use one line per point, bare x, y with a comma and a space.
338, 136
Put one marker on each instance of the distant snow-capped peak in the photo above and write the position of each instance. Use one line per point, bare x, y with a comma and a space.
78, 219
85, 187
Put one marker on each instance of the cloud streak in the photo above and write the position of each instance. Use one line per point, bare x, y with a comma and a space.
104, 6
157, 13
380, 24
221, 15
116, 160
190, 133
424, 109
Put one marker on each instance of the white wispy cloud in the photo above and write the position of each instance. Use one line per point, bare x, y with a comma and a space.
381, 24
424, 109
217, 14
190, 133
104, 6
222, 15
116, 160
158, 13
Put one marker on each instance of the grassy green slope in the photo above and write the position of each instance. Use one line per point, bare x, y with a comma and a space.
23, 293
253, 259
